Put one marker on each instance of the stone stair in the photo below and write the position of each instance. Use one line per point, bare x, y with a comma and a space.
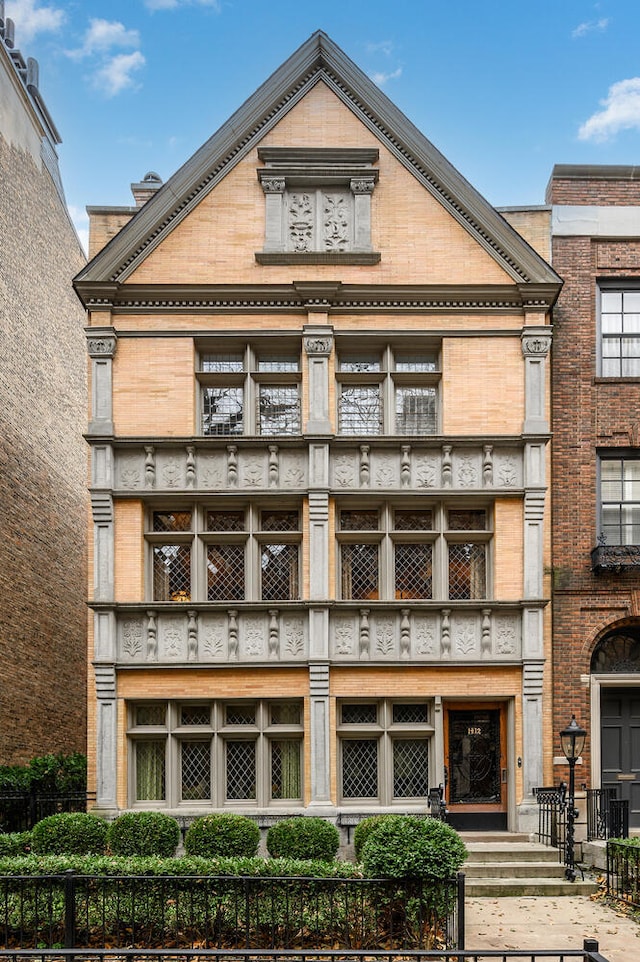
505, 863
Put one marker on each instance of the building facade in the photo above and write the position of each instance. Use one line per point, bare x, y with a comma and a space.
596, 470
319, 474
43, 416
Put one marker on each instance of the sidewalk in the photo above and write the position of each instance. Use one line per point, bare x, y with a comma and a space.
550, 923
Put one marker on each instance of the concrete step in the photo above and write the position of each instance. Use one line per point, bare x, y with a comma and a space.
513, 869
504, 851
547, 888
508, 837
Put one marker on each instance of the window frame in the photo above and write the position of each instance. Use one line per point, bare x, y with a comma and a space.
262, 734
391, 378
623, 287
386, 732
610, 456
388, 536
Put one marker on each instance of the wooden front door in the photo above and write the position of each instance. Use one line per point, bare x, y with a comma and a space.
475, 756
620, 746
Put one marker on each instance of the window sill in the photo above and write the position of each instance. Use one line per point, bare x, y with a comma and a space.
318, 257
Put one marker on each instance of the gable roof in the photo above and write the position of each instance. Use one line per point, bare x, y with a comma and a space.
318, 59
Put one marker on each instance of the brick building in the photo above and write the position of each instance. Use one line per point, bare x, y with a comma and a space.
43, 414
596, 470
319, 440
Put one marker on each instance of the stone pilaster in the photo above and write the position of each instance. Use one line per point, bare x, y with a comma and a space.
101, 345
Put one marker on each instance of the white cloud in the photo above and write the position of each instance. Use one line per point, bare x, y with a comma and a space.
589, 26
621, 112
102, 35
380, 78
174, 4
384, 46
116, 74
30, 18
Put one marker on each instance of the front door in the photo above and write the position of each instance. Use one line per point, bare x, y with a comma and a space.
475, 752
620, 746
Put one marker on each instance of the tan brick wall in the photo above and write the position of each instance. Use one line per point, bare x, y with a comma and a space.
508, 550
154, 387
42, 451
411, 229
103, 225
129, 551
482, 386
534, 226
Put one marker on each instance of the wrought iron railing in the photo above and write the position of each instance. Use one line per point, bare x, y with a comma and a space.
623, 872
552, 816
588, 953
607, 815
229, 912
19, 811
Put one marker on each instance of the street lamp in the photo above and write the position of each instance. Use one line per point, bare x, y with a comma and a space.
572, 739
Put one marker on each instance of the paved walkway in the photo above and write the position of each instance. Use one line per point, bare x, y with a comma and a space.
551, 923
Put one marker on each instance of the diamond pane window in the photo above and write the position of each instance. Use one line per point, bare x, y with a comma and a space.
360, 409
285, 768
410, 768
360, 714
620, 330
285, 713
463, 520
360, 768
241, 770
413, 571
150, 770
413, 520
279, 566
223, 411
467, 575
172, 521
359, 520
410, 714
359, 571
279, 521
195, 715
196, 770
223, 363
225, 572
241, 714
172, 572
620, 500
225, 520
151, 714
278, 409
416, 410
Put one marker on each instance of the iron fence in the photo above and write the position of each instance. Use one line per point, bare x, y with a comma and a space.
623, 872
19, 811
588, 953
229, 912
607, 815
552, 816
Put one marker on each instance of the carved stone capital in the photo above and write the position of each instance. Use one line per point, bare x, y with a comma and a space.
272, 184
318, 345
536, 345
102, 345
362, 185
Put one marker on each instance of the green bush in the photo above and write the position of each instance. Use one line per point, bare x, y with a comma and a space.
405, 846
222, 834
69, 833
303, 837
47, 773
15, 844
143, 833
364, 829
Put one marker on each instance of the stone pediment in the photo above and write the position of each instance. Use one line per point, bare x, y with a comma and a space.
317, 60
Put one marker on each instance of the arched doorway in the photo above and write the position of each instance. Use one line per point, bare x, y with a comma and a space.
615, 664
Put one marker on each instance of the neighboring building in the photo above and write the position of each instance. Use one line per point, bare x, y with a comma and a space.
42, 417
596, 470
319, 442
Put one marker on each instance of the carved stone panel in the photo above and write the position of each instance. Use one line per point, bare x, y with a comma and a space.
130, 470
426, 470
254, 634
343, 643
425, 638
253, 469
506, 633
507, 469
384, 636
211, 471
213, 637
467, 469
293, 638
131, 639
172, 638
293, 469
170, 469
384, 471
345, 470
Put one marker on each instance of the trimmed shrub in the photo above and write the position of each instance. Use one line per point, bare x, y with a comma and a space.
69, 833
15, 844
143, 833
404, 846
222, 834
364, 829
46, 774
306, 836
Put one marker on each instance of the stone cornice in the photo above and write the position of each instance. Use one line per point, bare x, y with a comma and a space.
340, 298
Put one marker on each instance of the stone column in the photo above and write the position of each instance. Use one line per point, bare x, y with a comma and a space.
106, 737
273, 187
362, 189
318, 345
536, 342
101, 345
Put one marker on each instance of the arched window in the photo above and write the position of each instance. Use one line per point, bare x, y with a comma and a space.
617, 652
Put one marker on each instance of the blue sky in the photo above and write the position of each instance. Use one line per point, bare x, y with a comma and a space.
504, 88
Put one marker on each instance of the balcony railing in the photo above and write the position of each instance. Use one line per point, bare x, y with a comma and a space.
615, 558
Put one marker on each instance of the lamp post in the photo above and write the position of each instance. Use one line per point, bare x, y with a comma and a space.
572, 739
